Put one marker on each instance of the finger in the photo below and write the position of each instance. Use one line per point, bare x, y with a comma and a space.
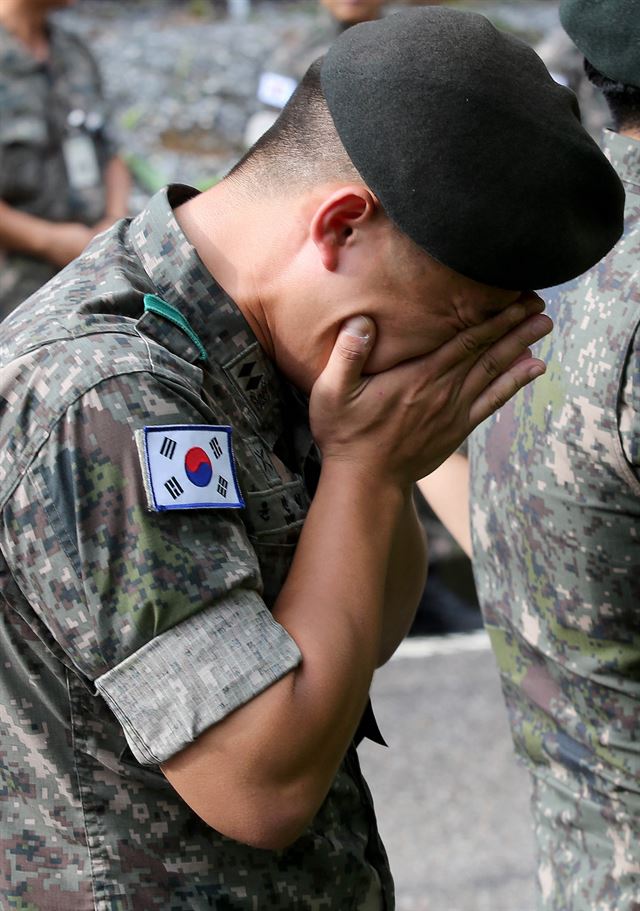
520, 374
532, 302
471, 342
350, 352
525, 354
503, 354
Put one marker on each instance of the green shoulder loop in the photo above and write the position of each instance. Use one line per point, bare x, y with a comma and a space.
156, 305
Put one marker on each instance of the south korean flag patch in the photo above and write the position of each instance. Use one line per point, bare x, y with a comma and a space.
188, 466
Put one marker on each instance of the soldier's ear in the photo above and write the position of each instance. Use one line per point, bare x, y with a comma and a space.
336, 221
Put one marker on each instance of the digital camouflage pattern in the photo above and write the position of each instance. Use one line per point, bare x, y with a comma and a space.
36, 100
556, 522
164, 615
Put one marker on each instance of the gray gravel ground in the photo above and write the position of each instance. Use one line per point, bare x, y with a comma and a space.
451, 801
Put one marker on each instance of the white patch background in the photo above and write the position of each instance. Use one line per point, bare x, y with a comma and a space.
163, 450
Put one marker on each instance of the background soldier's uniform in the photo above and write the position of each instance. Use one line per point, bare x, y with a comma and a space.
285, 68
44, 107
556, 519
566, 64
164, 615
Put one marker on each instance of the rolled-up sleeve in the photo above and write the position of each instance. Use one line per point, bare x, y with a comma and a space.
183, 681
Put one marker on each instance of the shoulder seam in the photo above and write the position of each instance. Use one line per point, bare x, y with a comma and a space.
28, 455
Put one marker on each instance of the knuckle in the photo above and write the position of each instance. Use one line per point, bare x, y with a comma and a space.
490, 365
500, 396
440, 399
352, 349
467, 342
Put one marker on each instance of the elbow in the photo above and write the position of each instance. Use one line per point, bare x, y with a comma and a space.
275, 835
271, 822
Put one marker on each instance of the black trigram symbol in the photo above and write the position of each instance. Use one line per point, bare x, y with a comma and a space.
216, 447
174, 488
168, 447
288, 514
264, 512
222, 486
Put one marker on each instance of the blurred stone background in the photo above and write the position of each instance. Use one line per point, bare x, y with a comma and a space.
182, 75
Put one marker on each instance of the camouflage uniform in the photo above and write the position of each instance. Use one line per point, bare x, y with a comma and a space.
36, 100
127, 632
556, 519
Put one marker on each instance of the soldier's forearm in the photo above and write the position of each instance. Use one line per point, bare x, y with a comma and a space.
21, 232
260, 775
446, 490
117, 187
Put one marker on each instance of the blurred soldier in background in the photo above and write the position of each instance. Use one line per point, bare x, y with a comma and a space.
61, 181
556, 516
295, 54
566, 64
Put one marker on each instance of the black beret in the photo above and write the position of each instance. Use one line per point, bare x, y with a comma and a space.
608, 34
473, 150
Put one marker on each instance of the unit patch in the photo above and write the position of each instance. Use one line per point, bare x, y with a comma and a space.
188, 466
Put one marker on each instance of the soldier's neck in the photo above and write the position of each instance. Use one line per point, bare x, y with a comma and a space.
632, 133
29, 26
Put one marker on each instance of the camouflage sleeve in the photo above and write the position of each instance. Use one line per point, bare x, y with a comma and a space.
629, 409
162, 611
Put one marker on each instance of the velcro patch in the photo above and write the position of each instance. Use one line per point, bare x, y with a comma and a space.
188, 466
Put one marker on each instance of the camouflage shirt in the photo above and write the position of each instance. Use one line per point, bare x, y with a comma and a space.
127, 631
44, 109
556, 520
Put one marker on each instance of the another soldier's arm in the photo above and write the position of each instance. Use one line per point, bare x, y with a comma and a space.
261, 774
446, 490
55, 242
117, 182
405, 580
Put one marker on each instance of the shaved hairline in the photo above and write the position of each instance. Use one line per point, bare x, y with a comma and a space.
301, 150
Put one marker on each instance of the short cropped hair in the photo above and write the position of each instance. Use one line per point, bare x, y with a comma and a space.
623, 99
302, 149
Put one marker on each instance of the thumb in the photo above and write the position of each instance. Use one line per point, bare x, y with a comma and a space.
350, 351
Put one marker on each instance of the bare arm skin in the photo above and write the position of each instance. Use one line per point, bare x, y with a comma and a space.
60, 242
260, 775
446, 490
117, 182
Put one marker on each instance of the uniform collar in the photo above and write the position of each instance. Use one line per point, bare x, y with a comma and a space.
183, 281
624, 154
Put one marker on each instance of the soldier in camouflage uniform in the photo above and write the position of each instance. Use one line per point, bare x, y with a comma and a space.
187, 641
556, 517
60, 178
295, 54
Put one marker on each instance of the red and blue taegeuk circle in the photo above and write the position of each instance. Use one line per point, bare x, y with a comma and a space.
197, 466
